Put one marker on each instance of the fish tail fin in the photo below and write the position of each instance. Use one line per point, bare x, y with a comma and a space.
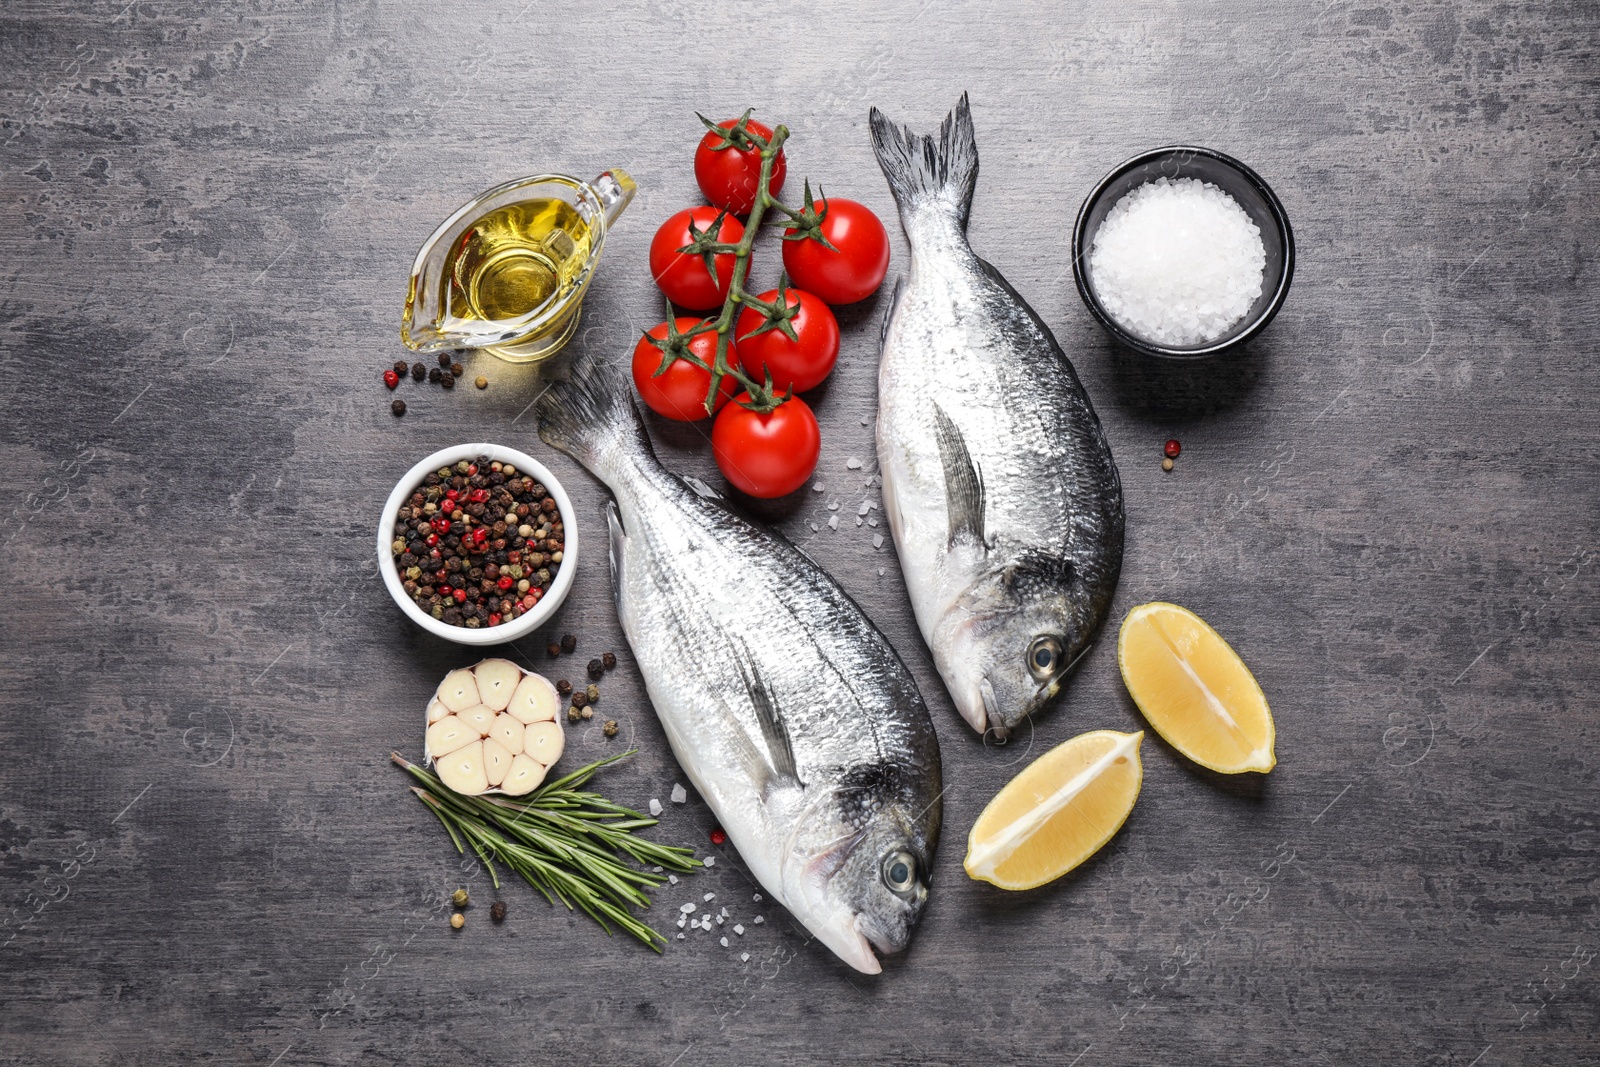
589, 414
924, 172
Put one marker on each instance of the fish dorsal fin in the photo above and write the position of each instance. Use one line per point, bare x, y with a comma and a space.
963, 485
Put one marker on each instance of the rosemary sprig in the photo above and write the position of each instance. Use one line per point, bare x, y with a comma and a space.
564, 841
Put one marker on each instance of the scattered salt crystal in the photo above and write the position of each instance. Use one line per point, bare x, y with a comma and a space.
681, 920
877, 540
694, 924
724, 913
816, 487
687, 908
719, 920
655, 806
833, 505
724, 942
853, 463
744, 957
705, 920
680, 937
1177, 262
833, 522
866, 506
872, 521
711, 861
758, 920
738, 928
709, 897
679, 793
815, 527
880, 572
672, 878
756, 898
864, 422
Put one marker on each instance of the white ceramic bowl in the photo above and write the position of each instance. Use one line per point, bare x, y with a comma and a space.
488, 635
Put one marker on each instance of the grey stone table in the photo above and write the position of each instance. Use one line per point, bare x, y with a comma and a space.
1388, 504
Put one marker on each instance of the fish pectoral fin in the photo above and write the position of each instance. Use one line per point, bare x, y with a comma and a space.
963, 485
775, 767
888, 314
616, 542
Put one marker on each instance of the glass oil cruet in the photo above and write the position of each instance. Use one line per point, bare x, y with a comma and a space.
508, 271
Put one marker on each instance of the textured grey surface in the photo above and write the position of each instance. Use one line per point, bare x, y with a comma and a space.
1388, 505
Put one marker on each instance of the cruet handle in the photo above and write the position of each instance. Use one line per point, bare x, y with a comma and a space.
615, 189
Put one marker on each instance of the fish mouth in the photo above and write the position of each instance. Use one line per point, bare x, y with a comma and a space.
847, 942
994, 723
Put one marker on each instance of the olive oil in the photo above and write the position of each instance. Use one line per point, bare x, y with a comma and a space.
516, 259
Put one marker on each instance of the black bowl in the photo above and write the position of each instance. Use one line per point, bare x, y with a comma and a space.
1233, 178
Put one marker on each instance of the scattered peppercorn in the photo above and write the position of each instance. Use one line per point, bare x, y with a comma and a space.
1166, 464
459, 898
569, 643
580, 698
497, 911
596, 668
481, 382
610, 660
457, 369
391, 379
593, 693
457, 921
418, 372
588, 713
447, 379
1172, 448
718, 837
398, 407
444, 359
564, 687
572, 714
610, 728
402, 368
553, 650
435, 375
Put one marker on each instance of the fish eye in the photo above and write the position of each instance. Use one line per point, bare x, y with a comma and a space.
1044, 656
900, 871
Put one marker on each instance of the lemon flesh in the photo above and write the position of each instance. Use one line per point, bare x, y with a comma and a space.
1058, 812
1195, 690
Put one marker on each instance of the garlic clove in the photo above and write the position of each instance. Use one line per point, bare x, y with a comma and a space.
543, 741
535, 700
496, 761
524, 777
507, 731
462, 770
436, 710
459, 690
497, 680
478, 717
449, 734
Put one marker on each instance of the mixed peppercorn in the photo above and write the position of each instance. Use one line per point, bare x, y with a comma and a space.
478, 544
445, 374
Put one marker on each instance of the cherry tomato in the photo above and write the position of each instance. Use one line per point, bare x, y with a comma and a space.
730, 176
684, 278
767, 455
801, 364
680, 393
850, 274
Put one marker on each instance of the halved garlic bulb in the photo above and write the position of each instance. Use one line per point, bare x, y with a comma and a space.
493, 728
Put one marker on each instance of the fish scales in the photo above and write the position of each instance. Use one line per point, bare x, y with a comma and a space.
1001, 493
787, 708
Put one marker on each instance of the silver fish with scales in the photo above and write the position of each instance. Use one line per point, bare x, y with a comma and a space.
998, 483
787, 708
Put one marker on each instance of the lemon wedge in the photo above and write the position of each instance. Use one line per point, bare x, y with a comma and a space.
1058, 812
1195, 690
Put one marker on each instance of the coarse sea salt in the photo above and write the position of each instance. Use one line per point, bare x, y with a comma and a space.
1177, 262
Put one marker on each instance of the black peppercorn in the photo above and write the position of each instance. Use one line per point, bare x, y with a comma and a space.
564, 687
554, 650
398, 406
447, 380
596, 668
444, 359
610, 660
497, 911
435, 374
580, 698
569, 643
402, 368
457, 369
418, 372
